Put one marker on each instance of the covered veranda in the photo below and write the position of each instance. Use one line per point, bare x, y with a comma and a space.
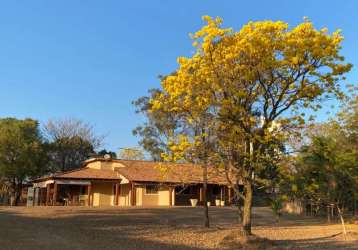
77, 188
69, 192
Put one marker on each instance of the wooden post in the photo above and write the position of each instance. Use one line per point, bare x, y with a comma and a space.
89, 189
170, 196
47, 194
224, 199
201, 195
328, 213
117, 195
230, 196
40, 197
133, 195
34, 197
54, 195
221, 193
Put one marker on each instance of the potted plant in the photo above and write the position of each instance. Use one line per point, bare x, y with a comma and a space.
193, 202
217, 202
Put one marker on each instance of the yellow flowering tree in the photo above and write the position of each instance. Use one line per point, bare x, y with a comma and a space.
252, 85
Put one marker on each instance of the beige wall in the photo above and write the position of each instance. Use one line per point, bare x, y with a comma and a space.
150, 199
163, 197
102, 194
124, 197
96, 165
139, 196
143, 199
104, 165
160, 199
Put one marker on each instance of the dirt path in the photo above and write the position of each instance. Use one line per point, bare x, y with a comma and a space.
158, 228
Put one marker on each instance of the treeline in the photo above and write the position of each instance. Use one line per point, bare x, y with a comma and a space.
324, 172
28, 150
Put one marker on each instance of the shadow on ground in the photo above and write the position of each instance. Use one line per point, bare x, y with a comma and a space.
147, 228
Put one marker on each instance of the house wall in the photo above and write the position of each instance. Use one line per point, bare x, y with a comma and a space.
95, 165
104, 165
163, 197
124, 196
102, 194
139, 196
143, 199
159, 199
149, 199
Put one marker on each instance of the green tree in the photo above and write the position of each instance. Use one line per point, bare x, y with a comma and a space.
104, 152
325, 170
22, 155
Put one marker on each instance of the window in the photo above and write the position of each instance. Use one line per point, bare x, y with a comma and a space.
151, 189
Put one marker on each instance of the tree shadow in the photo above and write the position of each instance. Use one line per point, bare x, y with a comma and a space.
140, 228
326, 242
89, 231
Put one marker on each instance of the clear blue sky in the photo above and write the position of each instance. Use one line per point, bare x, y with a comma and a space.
90, 59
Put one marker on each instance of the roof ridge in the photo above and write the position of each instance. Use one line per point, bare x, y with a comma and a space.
132, 160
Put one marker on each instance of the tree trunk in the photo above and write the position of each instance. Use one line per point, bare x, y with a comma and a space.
328, 214
205, 189
354, 207
342, 222
17, 197
277, 218
246, 223
16, 193
239, 210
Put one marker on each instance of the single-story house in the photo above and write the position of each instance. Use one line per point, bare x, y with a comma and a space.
114, 182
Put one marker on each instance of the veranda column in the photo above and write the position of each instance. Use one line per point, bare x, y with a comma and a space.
133, 195
201, 195
40, 196
170, 196
54, 195
117, 195
224, 199
34, 197
89, 193
47, 194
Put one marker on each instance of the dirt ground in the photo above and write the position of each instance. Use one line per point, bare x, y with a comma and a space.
161, 228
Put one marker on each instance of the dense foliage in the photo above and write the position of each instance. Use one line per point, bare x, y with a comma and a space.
22, 154
325, 171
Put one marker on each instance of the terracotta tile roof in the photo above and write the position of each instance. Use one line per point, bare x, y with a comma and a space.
143, 171
148, 171
84, 174
89, 173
